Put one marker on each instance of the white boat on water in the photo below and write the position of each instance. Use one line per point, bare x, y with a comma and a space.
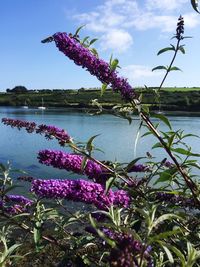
42, 107
25, 105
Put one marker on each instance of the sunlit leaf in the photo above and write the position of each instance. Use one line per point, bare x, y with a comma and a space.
165, 217
169, 254
103, 88
166, 175
114, 64
89, 145
85, 39
183, 151
174, 68
109, 184
163, 119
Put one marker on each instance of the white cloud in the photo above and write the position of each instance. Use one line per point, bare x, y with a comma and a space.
139, 72
116, 19
118, 40
165, 5
191, 20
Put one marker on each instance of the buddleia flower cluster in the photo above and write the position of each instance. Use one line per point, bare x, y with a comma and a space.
83, 57
14, 204
81, 191
47, 130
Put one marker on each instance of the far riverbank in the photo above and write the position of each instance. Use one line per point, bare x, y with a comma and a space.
169, 99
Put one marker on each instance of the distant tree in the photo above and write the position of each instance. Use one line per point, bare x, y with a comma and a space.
19, 89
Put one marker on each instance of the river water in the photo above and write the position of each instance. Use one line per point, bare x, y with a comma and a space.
116, 137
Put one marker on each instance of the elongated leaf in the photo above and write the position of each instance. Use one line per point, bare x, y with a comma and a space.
195, 5
93, 41
94, 51
183, 151
159, 68
109, 184
181, 48
169, 254
165, 217
171, 140
166, 176
83, 163
179, 254
103, 88
165, 50
78, 30
164, 235
85, 39
89, 145
132, 163
174, 68
157, 145
163, 119
100, 233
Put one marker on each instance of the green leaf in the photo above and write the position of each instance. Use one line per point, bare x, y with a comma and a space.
163, 119
195, 5
169, 254
159, 68
109, 184
183, 151
174, 68
94, 51
157, 145
89, 145
165, 217
164, 235
181, 48
93, 40
103, 88
178, 254
132, 163
37, 237
171, 140
85, 39
166, 175
114, 64
100, 233
78, 30
165, 50
83, 163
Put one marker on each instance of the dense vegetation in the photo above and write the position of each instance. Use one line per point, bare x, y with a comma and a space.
184, 99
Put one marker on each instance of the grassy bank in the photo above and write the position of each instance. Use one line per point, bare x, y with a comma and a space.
173, 98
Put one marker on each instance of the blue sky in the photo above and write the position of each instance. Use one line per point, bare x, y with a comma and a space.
131, 30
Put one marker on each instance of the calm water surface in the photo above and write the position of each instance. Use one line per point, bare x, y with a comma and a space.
116, 137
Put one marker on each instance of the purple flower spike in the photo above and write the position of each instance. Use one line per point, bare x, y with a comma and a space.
82, 56
80, 190
72, 162
49, 132
139, 168
14, 204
